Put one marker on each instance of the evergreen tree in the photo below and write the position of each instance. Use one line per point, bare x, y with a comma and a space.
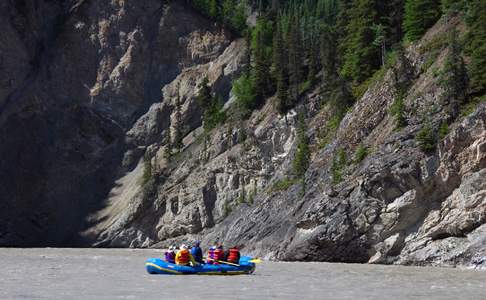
302, 155
449, 6
280, 72
147, 169
313, 62
395, 9
245, 95
380, 40
178, 134
168, 144
476, 45
238, 18
294, 43
341, 28
204, 97
420, 15
261, 70
214, 8
328, 54
454, 78
362, 58
248, 53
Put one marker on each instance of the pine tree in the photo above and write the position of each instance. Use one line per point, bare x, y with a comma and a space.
204, 97
168, 144
394, 30
227, 9
238, 19
362, 58
261, 70
454, 78
178, 134
294, 43
313, 62
476, 45
328, 54
302, 155
420, 15
380, 40
342, 23
248, 53
280, 72
214, 8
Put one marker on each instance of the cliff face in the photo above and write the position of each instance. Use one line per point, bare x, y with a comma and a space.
76, 75
88, 109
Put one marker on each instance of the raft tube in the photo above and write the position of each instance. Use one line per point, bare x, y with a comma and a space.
159, 266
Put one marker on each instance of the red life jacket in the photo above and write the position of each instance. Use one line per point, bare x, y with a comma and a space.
184, 257
219, 254
234, 256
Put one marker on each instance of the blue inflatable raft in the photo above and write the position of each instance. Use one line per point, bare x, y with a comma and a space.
159, 266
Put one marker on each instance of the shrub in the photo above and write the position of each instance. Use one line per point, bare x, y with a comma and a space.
397, 110
147, 170
304, 86
283, 184
226, 209
214, 115
360, 154
244, 92
443, 130
427, 138
338, 164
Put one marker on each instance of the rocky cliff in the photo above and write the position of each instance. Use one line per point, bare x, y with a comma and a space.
76, 76
87, 109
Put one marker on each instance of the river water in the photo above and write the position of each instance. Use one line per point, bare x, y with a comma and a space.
120, 274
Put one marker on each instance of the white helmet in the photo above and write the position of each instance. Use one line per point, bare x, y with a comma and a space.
184, 246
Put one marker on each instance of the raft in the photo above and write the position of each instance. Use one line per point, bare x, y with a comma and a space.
159, 266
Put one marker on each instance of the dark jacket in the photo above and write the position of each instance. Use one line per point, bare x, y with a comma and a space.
197, 254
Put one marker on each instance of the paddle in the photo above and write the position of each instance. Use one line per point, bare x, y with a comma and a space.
255, 260
222, 262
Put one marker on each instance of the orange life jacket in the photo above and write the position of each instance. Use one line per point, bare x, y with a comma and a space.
234, 256
219, 254
183, 257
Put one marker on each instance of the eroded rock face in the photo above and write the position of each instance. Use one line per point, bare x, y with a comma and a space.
399, 205
76, 75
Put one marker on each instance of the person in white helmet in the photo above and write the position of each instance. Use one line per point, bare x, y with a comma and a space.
170, 255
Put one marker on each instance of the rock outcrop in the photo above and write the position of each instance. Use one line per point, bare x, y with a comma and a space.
76, 76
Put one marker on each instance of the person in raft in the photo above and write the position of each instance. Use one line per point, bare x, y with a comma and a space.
184, 257
216, 255
196, 252
211, 257
170, 255
233, 255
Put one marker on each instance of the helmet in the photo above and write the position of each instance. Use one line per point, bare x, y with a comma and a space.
197, 243
172, 248
184, 246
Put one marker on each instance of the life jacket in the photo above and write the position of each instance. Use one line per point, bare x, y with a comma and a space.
219, 254
170, 256
211, 253
234, 256
183, 257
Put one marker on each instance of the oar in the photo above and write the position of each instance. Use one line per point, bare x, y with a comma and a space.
255, 260
222, 262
